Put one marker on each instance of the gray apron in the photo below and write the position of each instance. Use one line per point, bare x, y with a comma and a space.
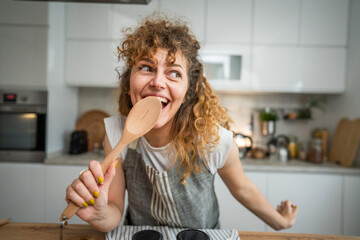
160, 199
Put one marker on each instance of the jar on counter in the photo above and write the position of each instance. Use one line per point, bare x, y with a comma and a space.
315, 153
303, 150
293, 147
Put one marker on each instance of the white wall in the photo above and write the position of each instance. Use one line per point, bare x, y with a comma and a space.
347, 104
62, 100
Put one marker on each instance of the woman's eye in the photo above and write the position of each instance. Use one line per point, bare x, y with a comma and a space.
145, 68
175, 74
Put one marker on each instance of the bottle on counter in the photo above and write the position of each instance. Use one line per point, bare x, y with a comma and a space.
293, 147
303, 150
315, 154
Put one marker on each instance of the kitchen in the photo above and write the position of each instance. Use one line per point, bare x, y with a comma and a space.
60, 63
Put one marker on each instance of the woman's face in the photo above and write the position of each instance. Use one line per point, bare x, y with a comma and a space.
168, 82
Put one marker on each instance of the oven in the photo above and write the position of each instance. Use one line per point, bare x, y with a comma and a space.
22, 125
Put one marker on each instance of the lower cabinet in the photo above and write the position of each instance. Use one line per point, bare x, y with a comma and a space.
327, 203
57, 179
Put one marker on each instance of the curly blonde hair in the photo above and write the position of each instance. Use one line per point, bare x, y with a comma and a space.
196, 124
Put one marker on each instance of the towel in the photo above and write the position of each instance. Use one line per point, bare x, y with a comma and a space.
124, 232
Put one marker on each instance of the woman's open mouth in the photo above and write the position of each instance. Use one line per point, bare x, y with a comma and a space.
164, 102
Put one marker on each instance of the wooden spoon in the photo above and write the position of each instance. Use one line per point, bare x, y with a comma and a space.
141, 119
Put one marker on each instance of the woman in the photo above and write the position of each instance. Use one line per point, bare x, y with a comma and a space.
169, 172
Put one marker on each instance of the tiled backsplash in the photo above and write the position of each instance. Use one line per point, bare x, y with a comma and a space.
240, 107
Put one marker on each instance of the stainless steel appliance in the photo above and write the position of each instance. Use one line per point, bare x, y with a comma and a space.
22, 125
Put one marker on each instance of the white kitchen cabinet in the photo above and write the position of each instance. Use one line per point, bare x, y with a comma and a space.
298, 69
22, 192
351, 205
91, 63
129, 15
318, 197
193, 11
233, 215
23, 12
276, 21
88, 20
228, 21
23, 58
324, 22
58, 177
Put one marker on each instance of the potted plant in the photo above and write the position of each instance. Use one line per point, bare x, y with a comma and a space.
305, 113
268, 117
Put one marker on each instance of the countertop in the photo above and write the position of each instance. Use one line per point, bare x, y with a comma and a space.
42, 231
259, 165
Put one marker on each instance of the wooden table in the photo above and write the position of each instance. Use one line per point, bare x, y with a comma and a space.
49, 231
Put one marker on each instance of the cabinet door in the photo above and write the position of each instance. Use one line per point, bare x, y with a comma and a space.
88, 20
22, 12
318, 198
322, 69
276, 69
276, 21
193, 11
128, 15
230, 25
23, 57
22, 192
351, 205
91, 63
324, 22
233, 215
57, 179
298, 69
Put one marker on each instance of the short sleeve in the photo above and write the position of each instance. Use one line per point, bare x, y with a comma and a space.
217, 157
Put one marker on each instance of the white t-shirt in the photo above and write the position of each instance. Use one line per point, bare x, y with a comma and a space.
158, 157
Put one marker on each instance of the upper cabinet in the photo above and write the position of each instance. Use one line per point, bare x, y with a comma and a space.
247, 45
276, 21
88, 21
303, 22
23, 44
193, 11
228, 23
324, 22
128, 15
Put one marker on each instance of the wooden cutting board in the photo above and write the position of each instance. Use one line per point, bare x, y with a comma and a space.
345, 142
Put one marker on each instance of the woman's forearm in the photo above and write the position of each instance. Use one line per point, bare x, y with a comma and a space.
252, 198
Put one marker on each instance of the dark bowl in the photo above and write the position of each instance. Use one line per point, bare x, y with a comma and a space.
147, 235
192, 234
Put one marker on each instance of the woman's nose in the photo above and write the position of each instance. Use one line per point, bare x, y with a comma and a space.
158, 81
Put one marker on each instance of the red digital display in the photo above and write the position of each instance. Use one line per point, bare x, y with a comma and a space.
9, 97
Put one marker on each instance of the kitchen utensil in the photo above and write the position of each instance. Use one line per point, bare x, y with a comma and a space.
4, 221
345, 142
93, 123
141, 119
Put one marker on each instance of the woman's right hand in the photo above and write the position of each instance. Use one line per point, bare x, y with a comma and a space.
90, 191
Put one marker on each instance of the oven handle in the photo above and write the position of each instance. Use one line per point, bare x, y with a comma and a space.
21, 109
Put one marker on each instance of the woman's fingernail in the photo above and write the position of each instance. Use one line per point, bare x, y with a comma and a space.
92, 202
116, 164
96, 194
101, 180
85, 204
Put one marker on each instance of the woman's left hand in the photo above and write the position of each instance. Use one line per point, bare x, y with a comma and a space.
288, 211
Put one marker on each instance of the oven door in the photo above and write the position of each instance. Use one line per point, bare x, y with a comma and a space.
22, 136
